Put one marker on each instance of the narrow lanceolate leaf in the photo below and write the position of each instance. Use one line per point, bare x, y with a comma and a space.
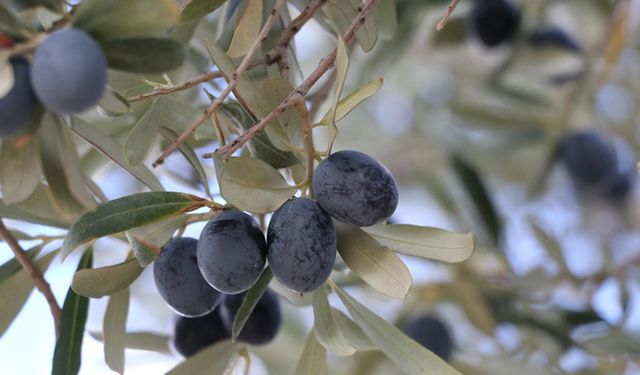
250, 301
251, 184
212, 360
342, 65
68, 351
139, 141
187, 151
38, 209
342, 12
124, 18
148, 341
376, 264
113, 104
325, 326
313, 360
126, 213
114, 328
113, 150
100, 282
478, 193
352, 332
191, 15
386, 19
409, 356
144, 54
15, 289
425, 242
249, 23
146, 240
351, 101
20, 169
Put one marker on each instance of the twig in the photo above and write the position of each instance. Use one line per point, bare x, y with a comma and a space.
292, 29
443, 21
35, 273
327, 63
235, 78
183, 86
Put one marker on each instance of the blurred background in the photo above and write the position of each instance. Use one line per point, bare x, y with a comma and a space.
478, 136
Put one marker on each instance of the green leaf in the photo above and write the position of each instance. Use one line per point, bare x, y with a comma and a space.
123, 18
348, 103
251, 184
313, 360
67, 354
15, 289
250, 301
292, 297
197, 9
409, 356
343, 12
128, 212
62, 171
287, 132
342, 66
12, 266
475, 187
247, 29
112, 150
142, 341
187, 151
376, 264
146, 240
144, 55
140, 140
113, 104
352, 332
38, 209
103, 281
554, 249
257, 101
325, 326
212, 360
114, 328
386, 19
20, 168
425, 242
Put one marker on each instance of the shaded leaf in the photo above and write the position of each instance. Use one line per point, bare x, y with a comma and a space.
352, 332
478, 193
112, 150
313, 360
250, 301
325, 326
15, 289
142, 341
342, 12
144, 55
123, 18
342, 65
100, 282
12, 266
247, 29
146, 240
68, 350
113, 104
189, 154
376, 264
212, 360
114, 328
38, 208
409, 356
20, 169
386, 19
140, 139
425, 242
251, 184
197, 9
128, 212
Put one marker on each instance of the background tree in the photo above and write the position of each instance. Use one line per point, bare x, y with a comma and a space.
135, 133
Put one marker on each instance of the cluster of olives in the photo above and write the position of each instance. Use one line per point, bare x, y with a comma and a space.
599, 164
68, 74
195, 276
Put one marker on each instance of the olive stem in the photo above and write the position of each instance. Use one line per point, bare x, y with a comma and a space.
35, 273
443, 21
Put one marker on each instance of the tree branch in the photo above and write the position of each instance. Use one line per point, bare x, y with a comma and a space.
325, 64
443, 21
244, 65
35, 273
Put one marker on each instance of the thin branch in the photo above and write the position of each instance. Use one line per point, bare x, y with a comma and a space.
443, 21
183, 86
325, 64
277, 52
244, 65
35, 273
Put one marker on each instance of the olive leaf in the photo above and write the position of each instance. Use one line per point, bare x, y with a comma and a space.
103, 281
